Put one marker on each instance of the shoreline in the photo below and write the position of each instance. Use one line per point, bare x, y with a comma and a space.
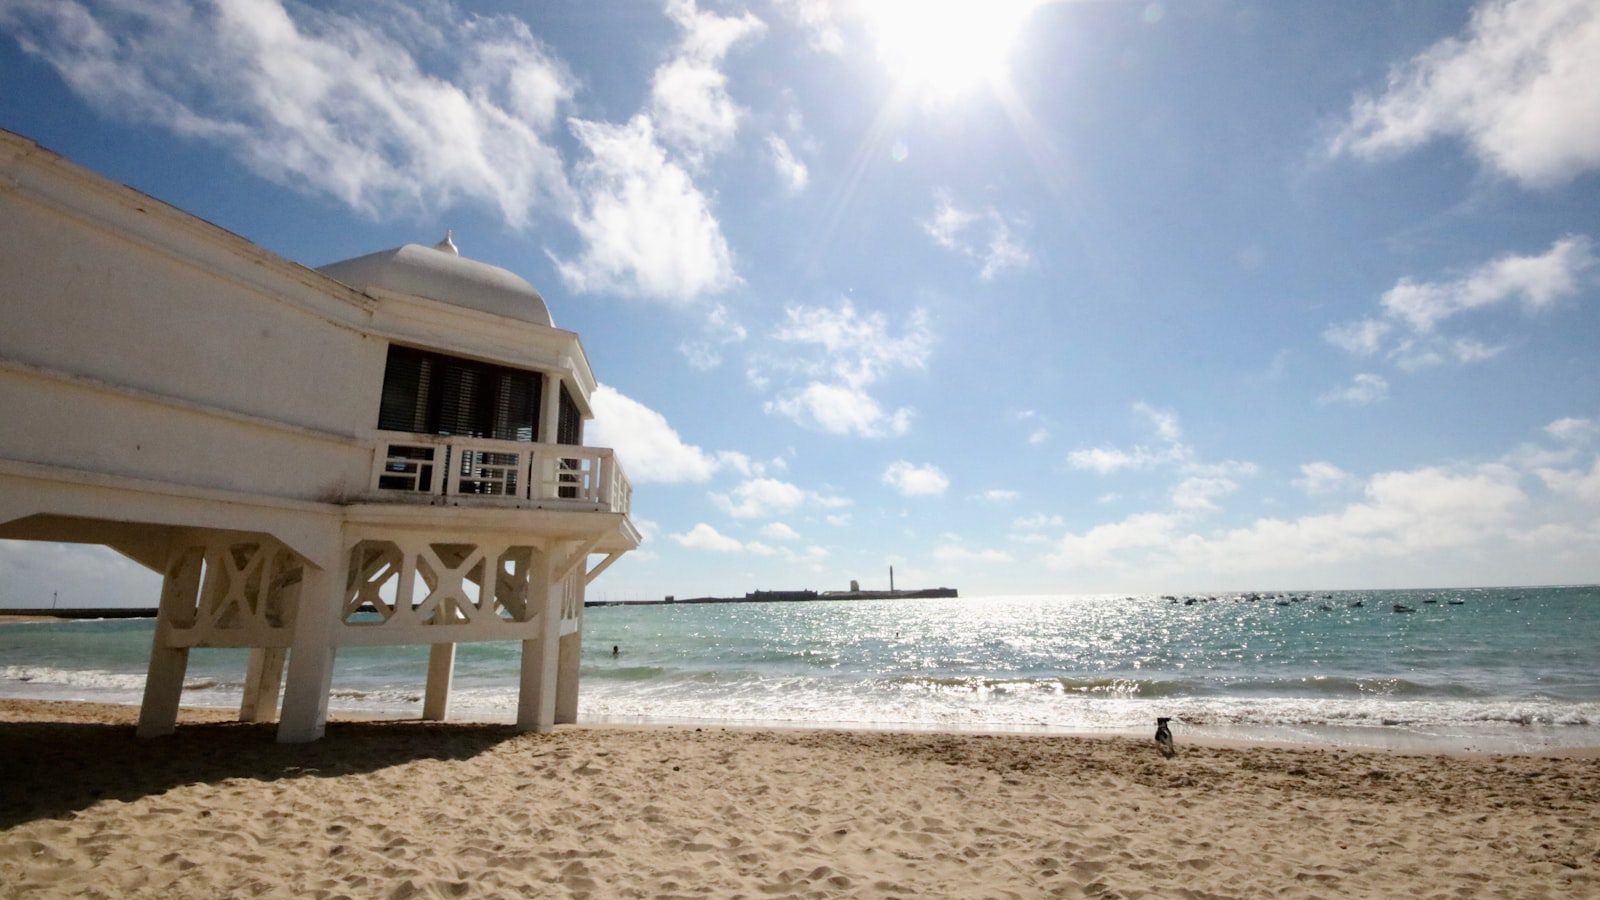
390, 808
1356, 739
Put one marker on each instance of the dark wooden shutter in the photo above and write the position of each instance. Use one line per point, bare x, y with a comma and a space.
569, 430
431, 393
516, 407
407, 380
569, 425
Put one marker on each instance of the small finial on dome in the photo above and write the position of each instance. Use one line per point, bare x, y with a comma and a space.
447, 245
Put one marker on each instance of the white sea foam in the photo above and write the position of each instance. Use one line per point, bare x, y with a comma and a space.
98, 679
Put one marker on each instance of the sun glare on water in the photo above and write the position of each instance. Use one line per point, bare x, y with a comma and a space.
944, 49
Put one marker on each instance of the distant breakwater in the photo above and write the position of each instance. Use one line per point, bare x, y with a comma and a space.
790, 597
82, 612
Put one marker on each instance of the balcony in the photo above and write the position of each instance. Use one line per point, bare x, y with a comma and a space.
519, 473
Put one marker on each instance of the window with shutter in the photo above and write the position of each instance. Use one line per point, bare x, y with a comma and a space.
431, 393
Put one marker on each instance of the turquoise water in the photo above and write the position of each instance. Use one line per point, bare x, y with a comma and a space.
1508, 668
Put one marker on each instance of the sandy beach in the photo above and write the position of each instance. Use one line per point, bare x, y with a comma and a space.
401, 809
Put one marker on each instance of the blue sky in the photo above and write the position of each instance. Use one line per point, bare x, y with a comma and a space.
1018, 297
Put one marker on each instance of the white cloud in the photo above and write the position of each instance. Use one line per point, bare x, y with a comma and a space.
1227, 468
760, 498
648, 230
915, 481
1401, 513
704, 537
1038, 521
689, 98
1103, 544
1413, 310
1571, 430
791, 171
1521, 86
1200, 493
734, 461
815, 17
389, 109
811, 554
1366, 388
961, 553
999, 495
837, 520
779, 532
1538, 281
1362, 338
1164, 421
649, 447
1322, 478
718, 331
1578, 483
1105, 460
840, 409
1038, 437
983, 235
1472, 350
858, 347
1172, 451
846, 353
1201, 485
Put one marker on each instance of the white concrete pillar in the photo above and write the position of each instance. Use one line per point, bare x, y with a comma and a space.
536, 697
567, 678
163, 688
441, 670
163, 683
550, 409
305, 699
263, 681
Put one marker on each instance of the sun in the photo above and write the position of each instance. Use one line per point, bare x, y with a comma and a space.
945, 49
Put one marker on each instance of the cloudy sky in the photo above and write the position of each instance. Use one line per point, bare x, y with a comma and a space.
1014, 296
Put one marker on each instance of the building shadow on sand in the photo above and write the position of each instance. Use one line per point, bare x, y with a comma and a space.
54, 769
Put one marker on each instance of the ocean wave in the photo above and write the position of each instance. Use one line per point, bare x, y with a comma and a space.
85, 678
1119, 687
624, 673
1098, 705
98, 679
1344, 686
1215, 686
380, 697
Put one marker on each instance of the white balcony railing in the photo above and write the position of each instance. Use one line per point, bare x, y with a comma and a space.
557, 474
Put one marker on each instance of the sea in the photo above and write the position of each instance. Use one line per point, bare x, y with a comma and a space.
1481, 669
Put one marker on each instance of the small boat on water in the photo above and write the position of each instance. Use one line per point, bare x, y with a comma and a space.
1430, 601
1456, 602
1401, 607
1358, 604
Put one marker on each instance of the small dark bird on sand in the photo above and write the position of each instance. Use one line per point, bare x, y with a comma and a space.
1164, 738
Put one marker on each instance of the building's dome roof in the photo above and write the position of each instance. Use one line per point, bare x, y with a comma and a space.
440, 273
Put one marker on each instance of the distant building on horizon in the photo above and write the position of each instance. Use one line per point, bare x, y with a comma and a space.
387, 450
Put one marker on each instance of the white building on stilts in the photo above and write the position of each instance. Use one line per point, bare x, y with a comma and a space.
388, 450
